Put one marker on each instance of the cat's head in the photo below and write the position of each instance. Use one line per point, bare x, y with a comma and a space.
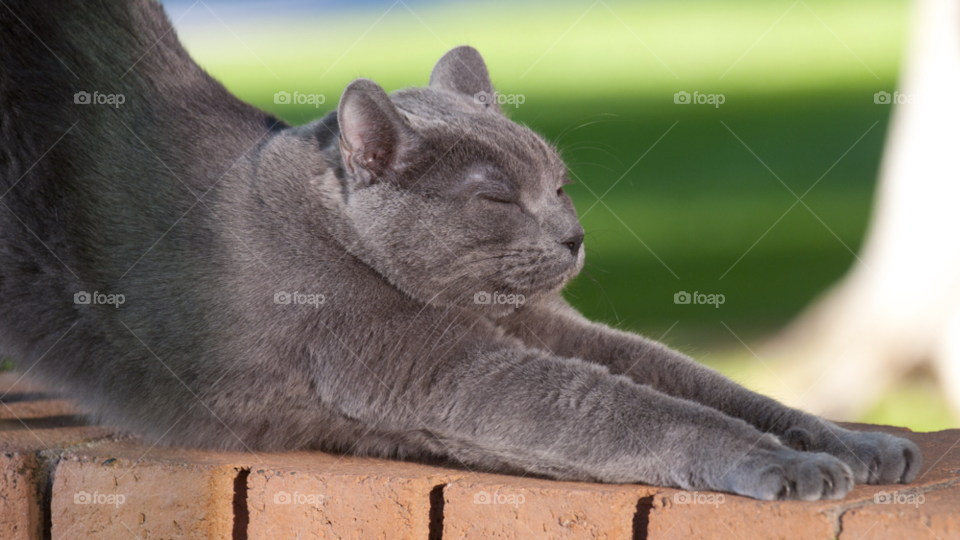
450, 200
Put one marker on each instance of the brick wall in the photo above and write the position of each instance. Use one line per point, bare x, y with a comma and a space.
63, 479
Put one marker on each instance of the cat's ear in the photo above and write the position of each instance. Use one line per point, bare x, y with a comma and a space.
372, 132
462, 70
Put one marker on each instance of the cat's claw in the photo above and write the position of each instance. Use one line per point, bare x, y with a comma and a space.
786, 474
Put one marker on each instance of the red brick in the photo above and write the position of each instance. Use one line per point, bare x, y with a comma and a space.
32, 426
166, 493
910, 514
170, 492
314, 495
19, 498
491, 506
728, 516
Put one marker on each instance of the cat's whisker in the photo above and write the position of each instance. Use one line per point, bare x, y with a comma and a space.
611, 169
568, 131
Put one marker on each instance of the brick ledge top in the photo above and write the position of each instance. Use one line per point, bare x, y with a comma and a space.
61, 478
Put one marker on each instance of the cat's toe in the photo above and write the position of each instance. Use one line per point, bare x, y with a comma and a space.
797, 438
820, 476
899, 462
880, 458
791, 475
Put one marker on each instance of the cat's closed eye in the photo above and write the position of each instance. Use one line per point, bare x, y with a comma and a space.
502, 201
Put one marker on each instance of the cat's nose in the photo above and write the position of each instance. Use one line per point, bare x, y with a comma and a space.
573, 243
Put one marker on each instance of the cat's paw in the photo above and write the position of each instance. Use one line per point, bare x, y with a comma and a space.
786, 474
876, 458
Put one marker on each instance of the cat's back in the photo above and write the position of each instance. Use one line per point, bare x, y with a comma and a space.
117, 153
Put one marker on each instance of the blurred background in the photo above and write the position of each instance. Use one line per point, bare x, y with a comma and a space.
695, 197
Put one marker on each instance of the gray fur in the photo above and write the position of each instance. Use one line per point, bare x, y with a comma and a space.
398, 214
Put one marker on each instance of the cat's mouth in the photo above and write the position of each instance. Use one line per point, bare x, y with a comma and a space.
567, 276
543, 276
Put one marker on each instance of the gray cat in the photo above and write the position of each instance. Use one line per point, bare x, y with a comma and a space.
384, 281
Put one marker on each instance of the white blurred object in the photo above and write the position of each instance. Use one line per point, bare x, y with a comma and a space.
900, 306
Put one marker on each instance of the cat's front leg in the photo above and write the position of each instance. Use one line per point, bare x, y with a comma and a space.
502, 407
554, 325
